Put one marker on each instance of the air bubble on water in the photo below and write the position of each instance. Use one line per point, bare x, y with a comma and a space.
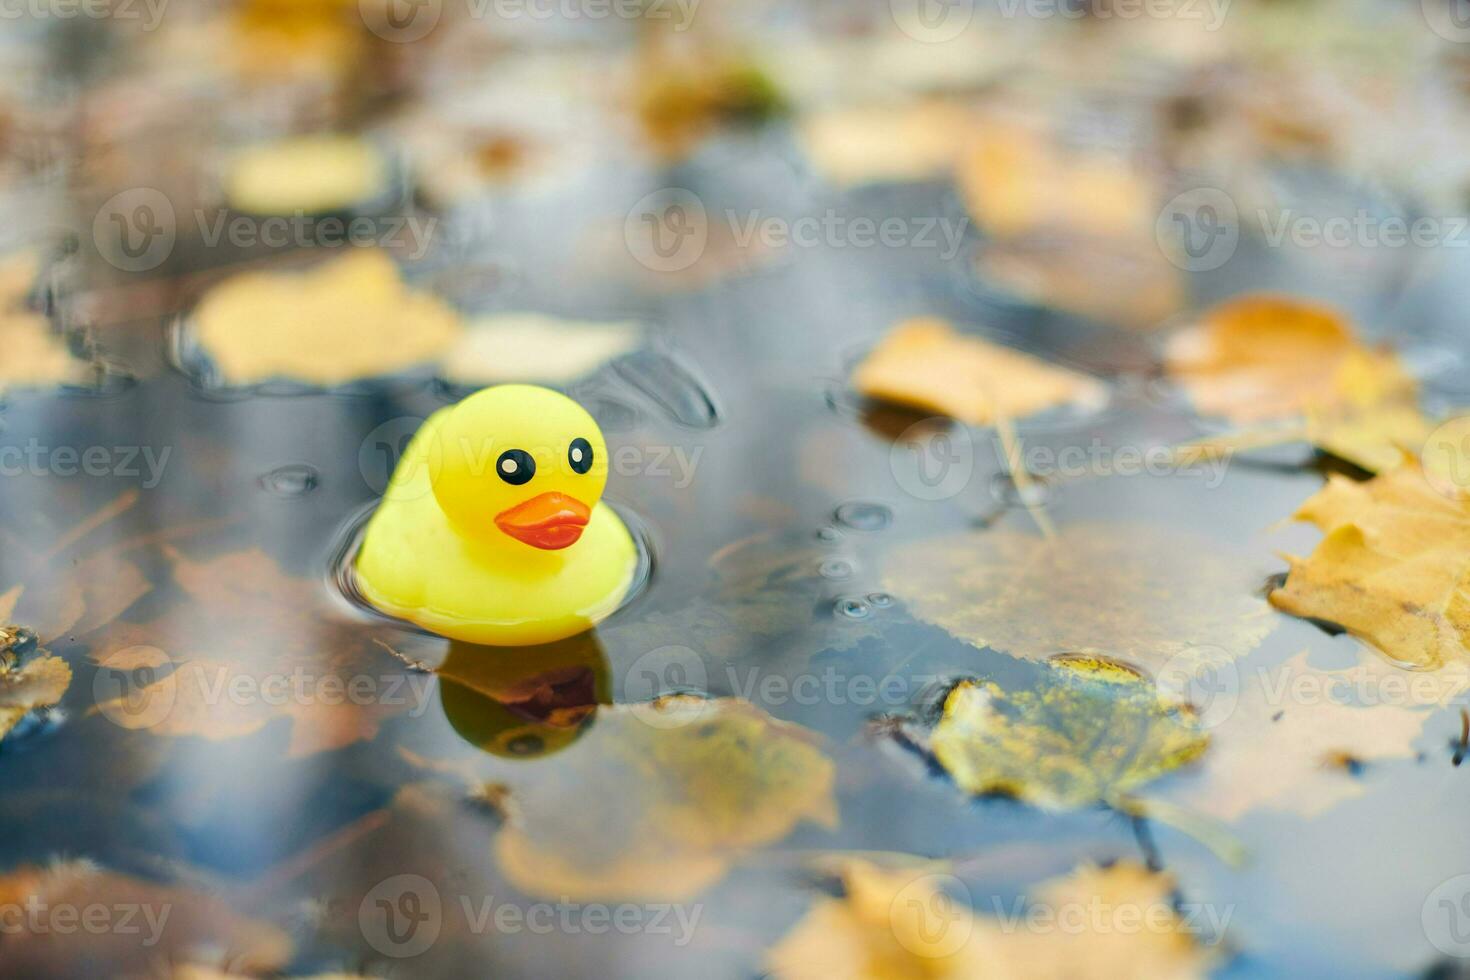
291, 480
853, 607
836, 568
828, 533
880, 600
861, 515
1005, 491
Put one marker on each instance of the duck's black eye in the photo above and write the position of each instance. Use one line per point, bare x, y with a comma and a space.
515, 466
580, 455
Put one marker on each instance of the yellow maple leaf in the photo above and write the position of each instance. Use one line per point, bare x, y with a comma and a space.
1393, 567
924, 362
901, 924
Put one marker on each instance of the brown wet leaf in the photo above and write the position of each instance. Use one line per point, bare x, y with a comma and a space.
682, 96
926, 363
1262, 357
1392, 568
685, 788
1276, 748
350, 318
1132, 591
902, 925
58, 596
250, 646
164, 922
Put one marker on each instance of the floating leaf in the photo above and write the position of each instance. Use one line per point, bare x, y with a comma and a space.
1393, 567
1133, 591
865, 144
684, 787
305, 175
902, 924
534, 348
27, 683
350, 318
926, 363
1259, 358
1093, 732
260, 647
150, 924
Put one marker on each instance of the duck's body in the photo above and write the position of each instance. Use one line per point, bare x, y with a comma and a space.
457, 549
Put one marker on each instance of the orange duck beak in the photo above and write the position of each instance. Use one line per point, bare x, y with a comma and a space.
550, 521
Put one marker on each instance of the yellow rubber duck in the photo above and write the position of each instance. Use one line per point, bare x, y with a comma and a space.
491, 530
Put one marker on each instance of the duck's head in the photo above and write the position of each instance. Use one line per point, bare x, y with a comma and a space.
520, 465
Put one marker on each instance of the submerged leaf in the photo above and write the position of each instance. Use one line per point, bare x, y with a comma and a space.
902, 925
1274, 749
1134, 591
254, 645
683, 788
926, 363
162, 922
1093, 732
1394, 567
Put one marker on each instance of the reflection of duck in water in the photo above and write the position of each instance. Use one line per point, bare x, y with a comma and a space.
491, 530
525, 707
